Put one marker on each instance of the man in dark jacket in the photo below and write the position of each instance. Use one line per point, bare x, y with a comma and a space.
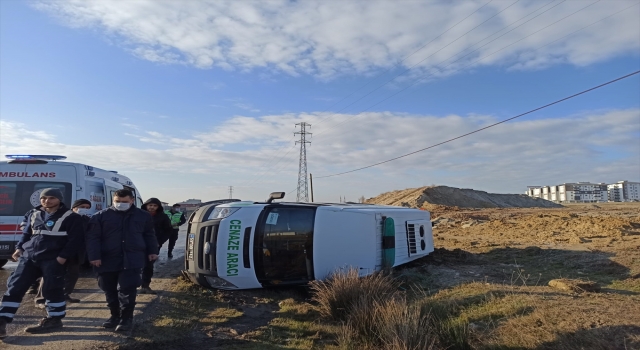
52, 235
163, 229
120, 240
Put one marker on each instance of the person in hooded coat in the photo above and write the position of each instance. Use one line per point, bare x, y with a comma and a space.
163, 230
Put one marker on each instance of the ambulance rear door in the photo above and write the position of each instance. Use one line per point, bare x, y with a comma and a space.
10, 215
20, 192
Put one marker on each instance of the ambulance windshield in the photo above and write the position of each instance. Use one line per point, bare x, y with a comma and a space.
284, 245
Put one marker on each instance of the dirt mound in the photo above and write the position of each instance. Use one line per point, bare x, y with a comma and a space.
427, 197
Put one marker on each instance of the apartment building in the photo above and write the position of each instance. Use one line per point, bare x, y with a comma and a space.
624, 191
585, 192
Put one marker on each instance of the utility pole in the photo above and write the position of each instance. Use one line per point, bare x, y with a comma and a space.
303, 188
230, 192
311, 182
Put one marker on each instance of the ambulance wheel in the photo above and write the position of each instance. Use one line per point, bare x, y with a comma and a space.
3, 262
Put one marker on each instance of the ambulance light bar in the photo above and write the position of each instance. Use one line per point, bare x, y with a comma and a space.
34, 157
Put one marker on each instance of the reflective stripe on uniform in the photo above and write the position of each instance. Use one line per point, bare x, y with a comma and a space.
57, 313
9, 304
49, 233
5, 314
62, 303
56, 228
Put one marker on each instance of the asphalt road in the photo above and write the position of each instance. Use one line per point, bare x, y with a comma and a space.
83, 320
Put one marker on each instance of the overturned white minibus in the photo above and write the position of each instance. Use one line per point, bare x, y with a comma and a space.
243, 245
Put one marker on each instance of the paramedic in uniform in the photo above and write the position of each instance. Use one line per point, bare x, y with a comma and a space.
72, 267
120, 240
53, 234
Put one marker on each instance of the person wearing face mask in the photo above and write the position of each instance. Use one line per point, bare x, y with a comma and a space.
83, 208
52, 235
177, 219
163, 229
120, 240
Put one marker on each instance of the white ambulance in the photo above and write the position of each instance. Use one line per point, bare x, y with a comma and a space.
243, 245
23, 177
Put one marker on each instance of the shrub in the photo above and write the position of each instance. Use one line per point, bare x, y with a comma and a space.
373, 313
404, 326
342, 292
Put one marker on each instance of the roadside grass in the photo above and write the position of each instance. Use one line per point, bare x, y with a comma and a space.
513, 308
190, 316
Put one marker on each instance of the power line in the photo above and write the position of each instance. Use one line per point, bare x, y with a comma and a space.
472, 63
410, 68
272, 168
404, 59
486, 127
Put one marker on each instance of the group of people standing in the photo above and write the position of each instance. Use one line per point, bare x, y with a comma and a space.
122, 242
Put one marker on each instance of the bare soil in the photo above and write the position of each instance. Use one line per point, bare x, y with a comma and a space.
513, 254
426, 197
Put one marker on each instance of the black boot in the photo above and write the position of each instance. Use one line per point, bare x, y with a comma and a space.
112, 322
3, 328
125, 325
114, 319
45, 325
170, 254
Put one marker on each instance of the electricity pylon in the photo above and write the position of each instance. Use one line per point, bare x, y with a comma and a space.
303, 188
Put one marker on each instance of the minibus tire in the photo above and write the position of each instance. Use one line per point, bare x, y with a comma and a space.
3, 262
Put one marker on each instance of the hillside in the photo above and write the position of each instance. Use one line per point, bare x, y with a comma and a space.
458, 197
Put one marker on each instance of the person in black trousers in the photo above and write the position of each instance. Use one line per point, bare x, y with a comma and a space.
52, 234
163, 229
72, 266
120, 240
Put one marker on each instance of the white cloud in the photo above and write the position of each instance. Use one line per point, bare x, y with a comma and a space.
130, 126
247, 107
215, 85
329, 38
258, 155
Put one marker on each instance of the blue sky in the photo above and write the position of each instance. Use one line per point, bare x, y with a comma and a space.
187, 110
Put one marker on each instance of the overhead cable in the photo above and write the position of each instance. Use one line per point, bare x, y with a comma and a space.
476, 61
484, 128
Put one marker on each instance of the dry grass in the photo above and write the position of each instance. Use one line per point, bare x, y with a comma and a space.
375, 314
342, 293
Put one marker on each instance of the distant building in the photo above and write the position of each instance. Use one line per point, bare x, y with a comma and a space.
577, 192
624, 191
190, 204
